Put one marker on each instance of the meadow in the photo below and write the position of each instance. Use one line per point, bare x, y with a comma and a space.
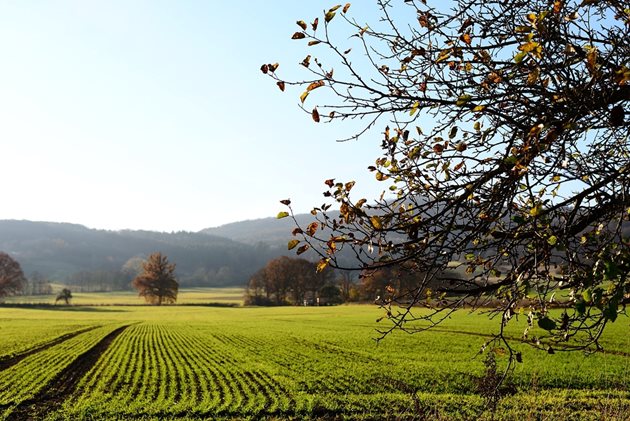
203, 362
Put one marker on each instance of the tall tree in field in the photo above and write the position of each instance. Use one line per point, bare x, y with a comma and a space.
505, 157
157, 282
12, 279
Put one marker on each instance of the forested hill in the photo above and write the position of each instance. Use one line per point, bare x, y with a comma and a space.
78, 255
270, 231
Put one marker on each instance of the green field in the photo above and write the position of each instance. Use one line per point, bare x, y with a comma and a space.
197, 362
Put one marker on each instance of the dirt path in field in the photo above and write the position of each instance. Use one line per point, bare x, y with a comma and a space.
9, 361
50, 397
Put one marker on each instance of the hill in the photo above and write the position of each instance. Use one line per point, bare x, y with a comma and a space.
78, 255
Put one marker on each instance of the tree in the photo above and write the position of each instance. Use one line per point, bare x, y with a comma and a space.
505, 157
12, 279
285, 279
65, 295
157, 282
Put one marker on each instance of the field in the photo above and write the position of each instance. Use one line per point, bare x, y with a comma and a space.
200, 362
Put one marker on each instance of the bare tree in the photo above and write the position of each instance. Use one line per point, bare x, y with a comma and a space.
12, 279
505, 157
157, 282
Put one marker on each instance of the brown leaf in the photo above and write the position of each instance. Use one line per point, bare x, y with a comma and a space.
346, 7
315, 85
280, 85
307, 61
438, 148
264, 68
557, 7
466, 38
298, 35
286, 202
312, 228
311, 43
302, 24
315, 115
314, 24
302, 249
329, 16
330, 182
273, 67
297, 231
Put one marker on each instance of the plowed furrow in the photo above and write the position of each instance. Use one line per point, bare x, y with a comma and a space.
12, 360
64, 383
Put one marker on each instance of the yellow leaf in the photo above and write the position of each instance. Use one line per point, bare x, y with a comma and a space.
292, 244
536, 210
322, 264
329, 16
332, 9
301, 24
282, 215
376, 222
303, 96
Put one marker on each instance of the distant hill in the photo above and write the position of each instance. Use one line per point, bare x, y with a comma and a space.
72, 253
271, 231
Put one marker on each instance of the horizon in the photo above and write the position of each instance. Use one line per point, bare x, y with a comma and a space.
156, 116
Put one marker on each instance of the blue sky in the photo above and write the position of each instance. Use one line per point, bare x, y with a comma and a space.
155, 115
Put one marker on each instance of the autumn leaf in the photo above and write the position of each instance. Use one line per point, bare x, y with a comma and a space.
303, 96
330, 182
292, 244
312, 228
296, 231
346, 7
302, 249
264, 68
332, 9
301, 24
307, 61
298, 35
315, 85
376, 222
557, 7
282, 215
329, 16
273, 67
314, 24
280, 85
466, 38
322, 264
286, 202
533, 76
311, 43
438, 148
463, 100
315, 115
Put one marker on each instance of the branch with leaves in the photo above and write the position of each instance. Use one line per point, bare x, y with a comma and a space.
505, 158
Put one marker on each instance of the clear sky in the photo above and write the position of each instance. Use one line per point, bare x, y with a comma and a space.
154, 114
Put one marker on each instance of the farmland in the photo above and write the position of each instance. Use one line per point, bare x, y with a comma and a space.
194, 362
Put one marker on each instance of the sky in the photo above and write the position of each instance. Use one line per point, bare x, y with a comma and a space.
155, 115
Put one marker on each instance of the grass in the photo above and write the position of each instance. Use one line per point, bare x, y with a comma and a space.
186, 296
191, 362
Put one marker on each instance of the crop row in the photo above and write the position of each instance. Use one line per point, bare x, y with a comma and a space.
24, 379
